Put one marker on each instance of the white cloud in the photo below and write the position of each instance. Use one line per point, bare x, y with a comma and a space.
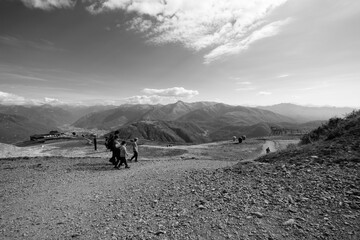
245, 89
163, 96
317, 86
283, 76
244, 83
140, 25
224, 27
49, 4
179, 92
246, 86
11, 99
15, 76
52, 101
228, 27
264, 93
42, 44
238, 45
145, 99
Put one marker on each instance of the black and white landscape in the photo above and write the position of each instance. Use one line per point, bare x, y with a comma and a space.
244, 116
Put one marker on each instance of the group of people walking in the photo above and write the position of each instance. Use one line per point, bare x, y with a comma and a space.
119, 151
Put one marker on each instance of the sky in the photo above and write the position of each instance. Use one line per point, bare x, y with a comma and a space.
238, 52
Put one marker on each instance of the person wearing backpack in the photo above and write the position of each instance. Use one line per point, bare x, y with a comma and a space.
111, 145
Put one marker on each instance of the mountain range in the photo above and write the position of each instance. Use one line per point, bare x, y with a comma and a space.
177, 122
19, 122
304, 114
200, 121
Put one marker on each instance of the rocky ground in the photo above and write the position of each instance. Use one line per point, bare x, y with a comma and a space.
209, 191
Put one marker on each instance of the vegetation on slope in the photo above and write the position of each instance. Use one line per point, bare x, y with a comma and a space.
335, 128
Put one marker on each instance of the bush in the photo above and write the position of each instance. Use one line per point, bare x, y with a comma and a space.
334, 128
291, 146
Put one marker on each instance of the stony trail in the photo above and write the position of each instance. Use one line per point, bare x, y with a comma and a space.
178, 192
64, 198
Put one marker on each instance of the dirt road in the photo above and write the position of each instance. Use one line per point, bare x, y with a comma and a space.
86, 198
276, 145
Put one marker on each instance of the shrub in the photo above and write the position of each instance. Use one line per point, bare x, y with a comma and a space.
334, 128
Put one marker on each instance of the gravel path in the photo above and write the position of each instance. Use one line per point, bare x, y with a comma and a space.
65, 198
157, 198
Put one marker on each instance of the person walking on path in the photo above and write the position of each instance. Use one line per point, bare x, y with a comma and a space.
121, 155
135, 150
267, 150
111, 146
95, 143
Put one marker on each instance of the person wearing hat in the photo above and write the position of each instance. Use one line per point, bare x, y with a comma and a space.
135, 150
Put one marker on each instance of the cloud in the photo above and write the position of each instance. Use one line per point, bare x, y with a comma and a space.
49, 4
283, 76
140, 25
15, 76
227, 27
245, 89
247, 86
52, 101
156, 96
222, 28
172, 92
12, 99
321, 85
237, 45
145, 99
264, 93
244, 83
42, 44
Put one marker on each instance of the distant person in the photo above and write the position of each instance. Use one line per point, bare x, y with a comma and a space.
240, 140
234, 138
267, 150
121, 154
111, 146
95, 143
135, 150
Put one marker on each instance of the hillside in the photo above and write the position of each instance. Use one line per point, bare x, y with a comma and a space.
171, 112
165, 131
304, 114
183, 122
337, 141
19, 122
14, 128
48, 115
233, 115
256, 130
80, 111
114, 118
